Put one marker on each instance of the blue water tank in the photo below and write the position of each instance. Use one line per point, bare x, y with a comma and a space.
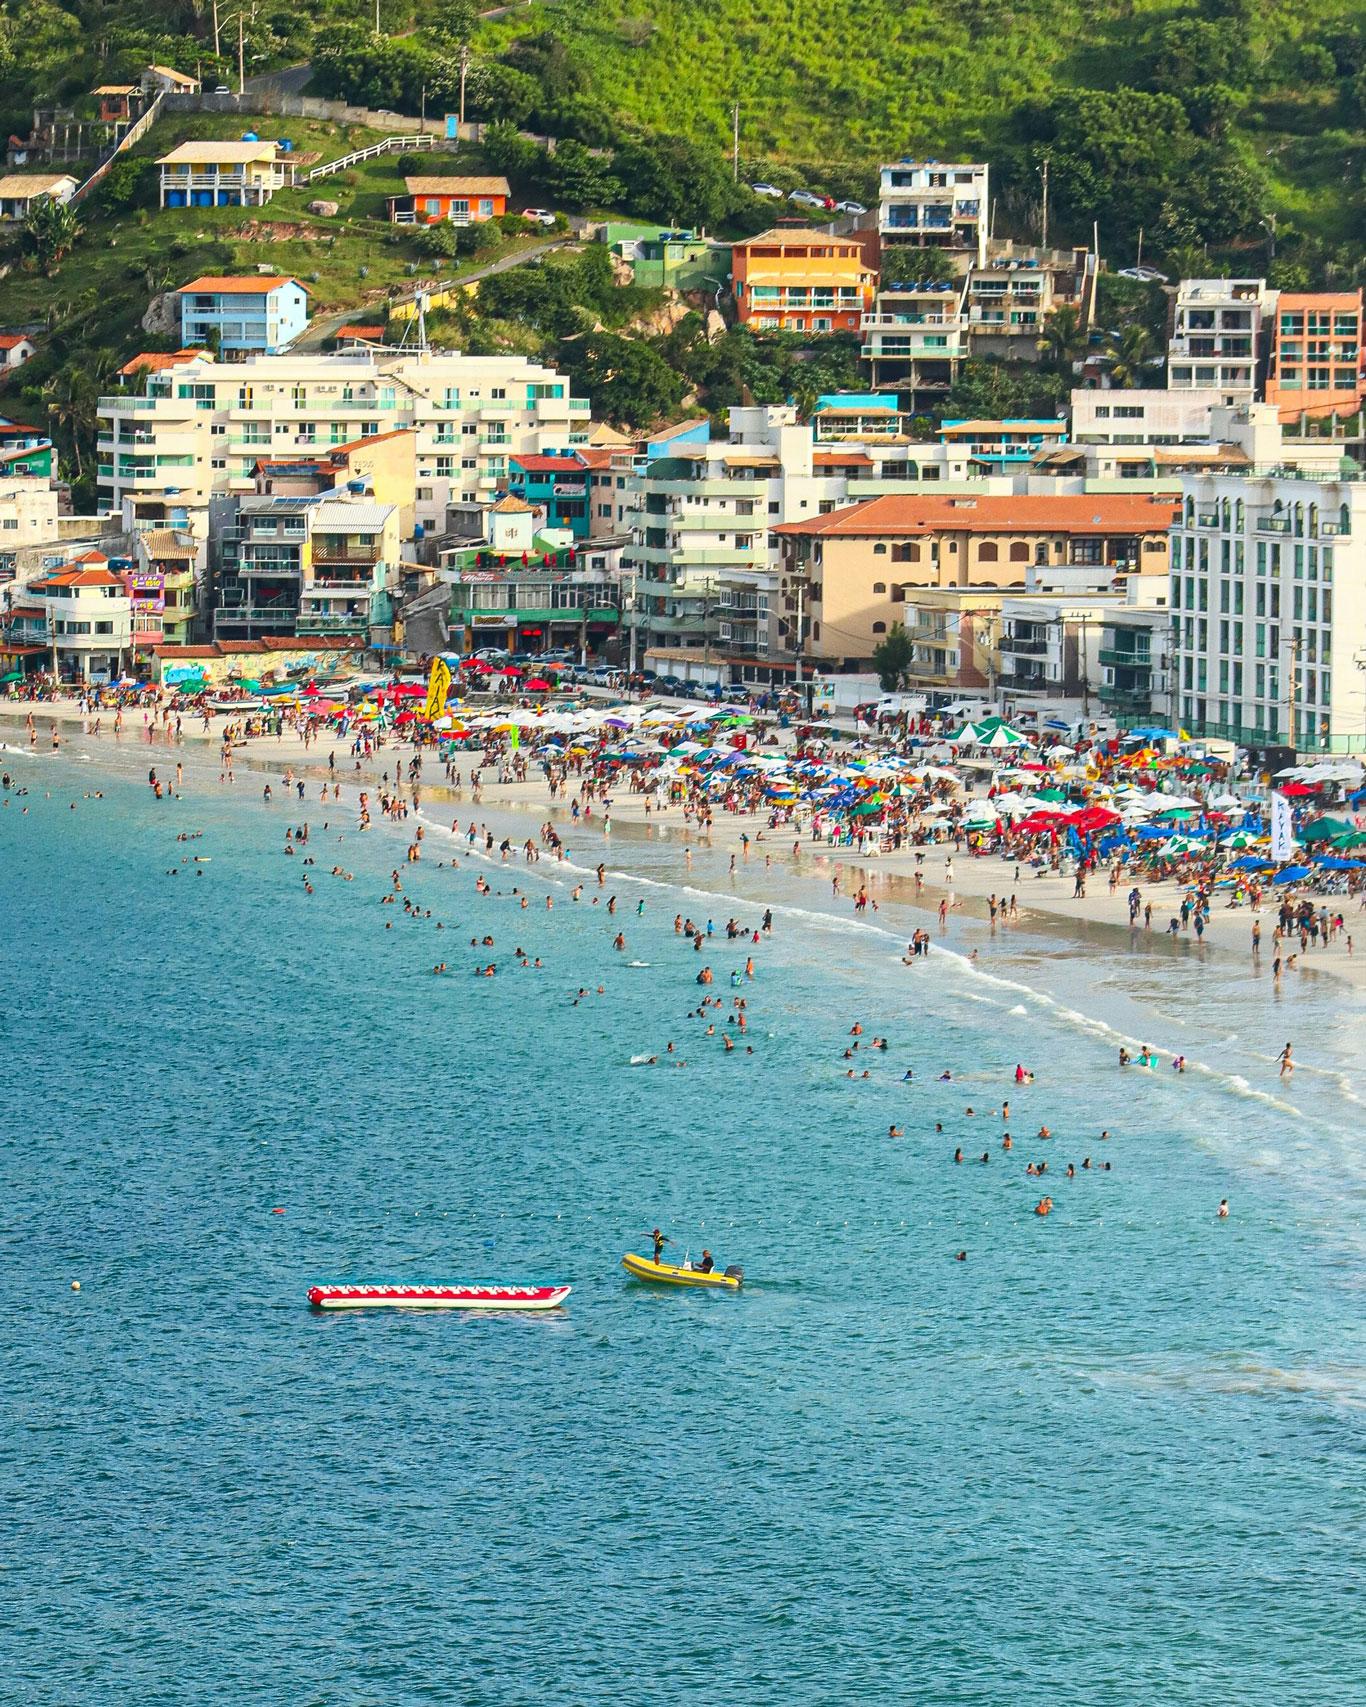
419, 530
284, 144
250, 136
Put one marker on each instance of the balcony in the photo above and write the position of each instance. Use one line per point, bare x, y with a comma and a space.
272, 567
1118, 658
368, 555
314, 622
1023, 645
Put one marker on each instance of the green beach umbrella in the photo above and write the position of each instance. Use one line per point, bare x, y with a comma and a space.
1326, 830
13, 676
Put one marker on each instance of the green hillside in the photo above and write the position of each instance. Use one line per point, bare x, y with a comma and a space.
1221, 112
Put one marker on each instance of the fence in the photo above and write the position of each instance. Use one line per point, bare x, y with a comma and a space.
386, 146
135, 133
270, 103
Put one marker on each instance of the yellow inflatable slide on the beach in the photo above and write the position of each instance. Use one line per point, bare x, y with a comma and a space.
675, 1274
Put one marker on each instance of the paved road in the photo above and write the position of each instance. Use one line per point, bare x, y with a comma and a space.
325, 326
289, 80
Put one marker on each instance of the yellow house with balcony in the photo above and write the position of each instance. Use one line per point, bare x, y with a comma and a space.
220, 174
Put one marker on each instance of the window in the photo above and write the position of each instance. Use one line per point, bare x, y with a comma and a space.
879, 587
1019, 552
905, 553
879, 628
880, 548
987, 551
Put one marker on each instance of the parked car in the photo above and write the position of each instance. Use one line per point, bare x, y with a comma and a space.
850, 207
762, 189
494, 655
804, 198
1145, 275
538, 215
222, 89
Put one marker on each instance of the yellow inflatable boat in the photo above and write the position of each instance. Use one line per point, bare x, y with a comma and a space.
677, 1274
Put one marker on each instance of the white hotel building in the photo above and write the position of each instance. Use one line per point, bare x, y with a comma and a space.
1269, 609
202, 426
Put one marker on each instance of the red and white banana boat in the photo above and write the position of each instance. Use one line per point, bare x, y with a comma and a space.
434, 1295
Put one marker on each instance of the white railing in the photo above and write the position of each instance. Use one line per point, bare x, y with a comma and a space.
386, 145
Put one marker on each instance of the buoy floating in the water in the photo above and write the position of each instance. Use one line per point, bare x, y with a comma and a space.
75, 1285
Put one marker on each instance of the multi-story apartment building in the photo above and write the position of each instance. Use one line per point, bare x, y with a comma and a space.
86, 618
1217, 335
246, 315
708, 569
861, 565
1318, 363
1136, 659
201, 428
794, 279
923, 324
915, 337
297, 566
1010, 296
1269, 609
931, 204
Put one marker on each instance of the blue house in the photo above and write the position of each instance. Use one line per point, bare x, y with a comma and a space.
260, 315
558, 484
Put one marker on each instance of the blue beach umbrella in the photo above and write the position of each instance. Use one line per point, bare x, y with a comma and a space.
1292, 874
1335, 862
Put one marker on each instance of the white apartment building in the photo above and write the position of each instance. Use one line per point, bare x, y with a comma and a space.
1136, 657
931, 204
28, 514
87, 617
199, 431
706, 569
1217, 334
1269, 609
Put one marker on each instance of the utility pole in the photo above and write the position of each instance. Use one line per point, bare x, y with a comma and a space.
377, 28
215, 29
422, 110
1138, 260
800, 586
632, 623
464, 72
735, 142
241, 59
1043, 236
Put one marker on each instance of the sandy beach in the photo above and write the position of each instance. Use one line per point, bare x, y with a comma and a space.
1044, 902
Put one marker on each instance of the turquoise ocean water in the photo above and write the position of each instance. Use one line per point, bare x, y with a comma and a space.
1117, 1456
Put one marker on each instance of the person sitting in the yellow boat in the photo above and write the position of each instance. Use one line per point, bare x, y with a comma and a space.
706, 1265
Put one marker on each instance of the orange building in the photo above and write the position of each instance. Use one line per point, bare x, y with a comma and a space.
794, 279
1316, 354
462, 201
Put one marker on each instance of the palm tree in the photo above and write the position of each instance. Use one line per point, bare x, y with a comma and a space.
1064, 338
50, 228
1128, 350
805, 398
72, 403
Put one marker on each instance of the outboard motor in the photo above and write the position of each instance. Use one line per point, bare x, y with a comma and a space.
735, 1273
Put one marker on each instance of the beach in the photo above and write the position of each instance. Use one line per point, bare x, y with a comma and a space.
966, 881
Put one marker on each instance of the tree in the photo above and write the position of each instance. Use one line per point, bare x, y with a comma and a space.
628, 382
1064, 338
892, 658
1129, 351
50, 228
72, 399
576, 178
671, 178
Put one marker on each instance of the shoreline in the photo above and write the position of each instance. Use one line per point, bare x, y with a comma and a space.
1097, 921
